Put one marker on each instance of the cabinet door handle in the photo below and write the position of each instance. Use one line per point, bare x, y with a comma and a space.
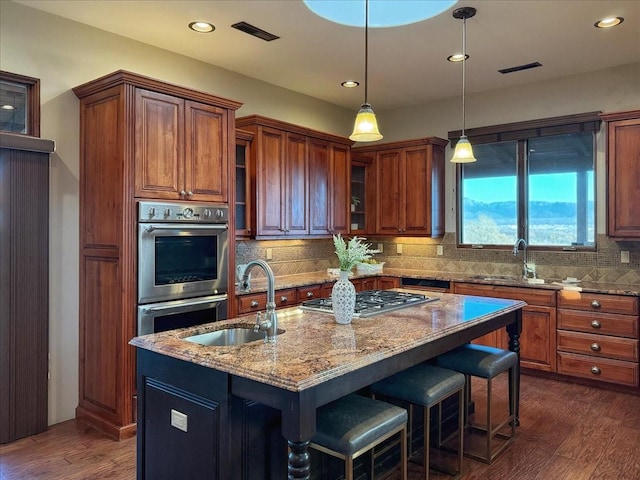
595, 370
595, 347
283, 298
595, 324
189, 193
254, 303
595, 304
182, 193
309, 294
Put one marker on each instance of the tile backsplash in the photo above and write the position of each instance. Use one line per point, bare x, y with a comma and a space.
603, 265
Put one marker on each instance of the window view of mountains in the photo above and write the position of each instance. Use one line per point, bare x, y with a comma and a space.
550, 223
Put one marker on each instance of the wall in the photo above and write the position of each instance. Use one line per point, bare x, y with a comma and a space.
64, 54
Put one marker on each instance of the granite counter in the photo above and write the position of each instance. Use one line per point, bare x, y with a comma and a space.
317, 360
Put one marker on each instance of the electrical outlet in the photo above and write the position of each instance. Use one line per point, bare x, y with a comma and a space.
380, 247
439, 250
624, 256
178, 420
269, 253
399, 248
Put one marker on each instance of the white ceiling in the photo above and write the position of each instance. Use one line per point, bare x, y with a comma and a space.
407, 65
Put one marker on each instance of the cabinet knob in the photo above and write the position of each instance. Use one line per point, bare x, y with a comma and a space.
595, 324
595, 304
182, 193
595, 347
189, 193
595, 370
254, 303
309, 294
283, 298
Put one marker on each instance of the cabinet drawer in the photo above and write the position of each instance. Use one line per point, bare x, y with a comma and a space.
600, 323
601, 369
252, 303
256, 302
595, 302
308, 292
598, 345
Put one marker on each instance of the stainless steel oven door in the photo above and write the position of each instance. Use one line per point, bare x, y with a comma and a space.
177, 260
163, 316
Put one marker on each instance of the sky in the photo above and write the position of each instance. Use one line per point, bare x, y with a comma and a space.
557, 187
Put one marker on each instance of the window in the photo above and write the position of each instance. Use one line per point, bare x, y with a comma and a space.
19, 104
533, 180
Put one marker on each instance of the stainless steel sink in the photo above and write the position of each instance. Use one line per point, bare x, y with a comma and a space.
228, 336
502, 278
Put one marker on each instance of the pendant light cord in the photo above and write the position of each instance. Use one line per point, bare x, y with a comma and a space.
366, 48
464, 68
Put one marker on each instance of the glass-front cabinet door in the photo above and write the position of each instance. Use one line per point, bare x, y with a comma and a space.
244, 187
360, 206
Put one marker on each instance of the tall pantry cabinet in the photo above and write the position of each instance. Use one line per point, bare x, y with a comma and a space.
139, 138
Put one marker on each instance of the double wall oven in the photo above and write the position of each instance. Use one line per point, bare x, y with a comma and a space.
182, 265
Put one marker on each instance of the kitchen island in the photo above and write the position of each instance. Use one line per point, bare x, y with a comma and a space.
314, 362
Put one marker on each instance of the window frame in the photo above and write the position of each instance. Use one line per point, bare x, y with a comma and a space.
520, 132
33, 100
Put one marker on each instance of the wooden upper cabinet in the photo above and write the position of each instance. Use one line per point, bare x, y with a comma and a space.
296, 196
329, 174
623, 169
181, 149
409, 187
302, 179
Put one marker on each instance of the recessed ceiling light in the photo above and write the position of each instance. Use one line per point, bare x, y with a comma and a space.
609, 22
350, 84
202, 27
457, 57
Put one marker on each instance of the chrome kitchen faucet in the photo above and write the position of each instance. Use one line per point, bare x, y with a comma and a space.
526, 271
270, 323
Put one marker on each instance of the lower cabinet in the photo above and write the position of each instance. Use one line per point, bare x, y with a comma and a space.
598, 337
538, 338
189, 426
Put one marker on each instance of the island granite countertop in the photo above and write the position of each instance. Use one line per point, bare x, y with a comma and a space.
314, 348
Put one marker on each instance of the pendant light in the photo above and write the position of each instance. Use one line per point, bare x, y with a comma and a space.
463, 152
365, 128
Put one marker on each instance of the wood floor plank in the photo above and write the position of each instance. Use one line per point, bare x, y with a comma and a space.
567, 432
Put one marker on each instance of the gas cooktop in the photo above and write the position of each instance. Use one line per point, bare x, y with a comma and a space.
372, 302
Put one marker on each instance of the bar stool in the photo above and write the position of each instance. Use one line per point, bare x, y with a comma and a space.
352, 425
485, 362
427, 385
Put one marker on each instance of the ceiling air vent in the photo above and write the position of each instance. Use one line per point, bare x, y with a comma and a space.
255, 31
521, 67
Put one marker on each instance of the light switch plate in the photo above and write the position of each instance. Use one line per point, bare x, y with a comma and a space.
399, 248
439, 250
178, 420
380, 247
269, 253
624, 256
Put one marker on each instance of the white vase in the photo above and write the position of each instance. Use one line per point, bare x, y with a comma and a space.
343, 299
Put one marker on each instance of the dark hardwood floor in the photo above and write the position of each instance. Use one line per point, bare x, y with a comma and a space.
567, 432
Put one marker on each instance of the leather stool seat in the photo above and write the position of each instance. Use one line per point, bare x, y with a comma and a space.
485, 362
427, 386
353, 425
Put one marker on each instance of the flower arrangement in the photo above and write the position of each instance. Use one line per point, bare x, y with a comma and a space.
351, 253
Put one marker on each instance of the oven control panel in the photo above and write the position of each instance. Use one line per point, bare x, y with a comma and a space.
181, 212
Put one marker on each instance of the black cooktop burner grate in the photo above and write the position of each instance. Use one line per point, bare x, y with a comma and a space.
372, 302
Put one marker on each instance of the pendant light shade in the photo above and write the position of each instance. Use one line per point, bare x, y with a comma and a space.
463, 152
365, 128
